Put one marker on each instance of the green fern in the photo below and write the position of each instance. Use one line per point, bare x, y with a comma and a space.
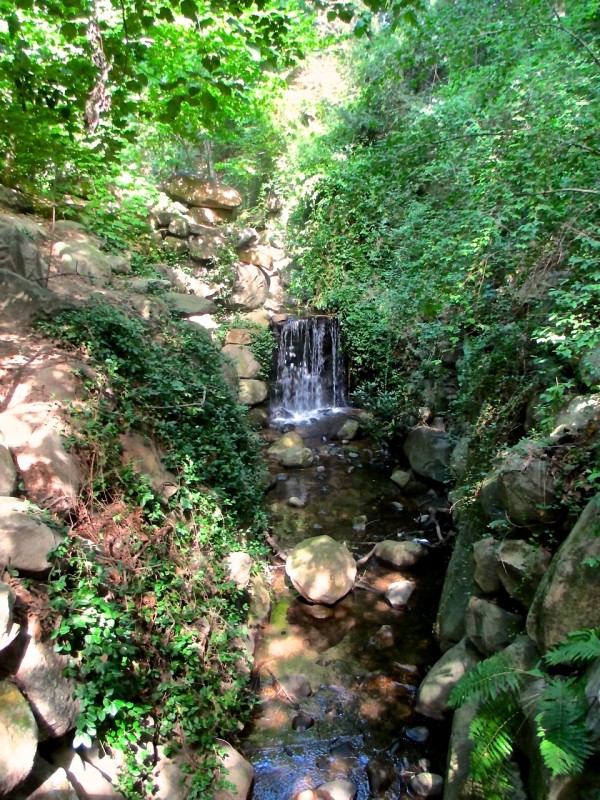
566, 741
579, 648
489, 680
492, 734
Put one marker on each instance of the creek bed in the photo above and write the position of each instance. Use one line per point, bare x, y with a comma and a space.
362, 659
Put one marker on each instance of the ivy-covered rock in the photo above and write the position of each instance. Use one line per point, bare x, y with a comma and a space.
568, 596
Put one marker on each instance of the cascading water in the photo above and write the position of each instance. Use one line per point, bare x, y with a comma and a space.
311, 376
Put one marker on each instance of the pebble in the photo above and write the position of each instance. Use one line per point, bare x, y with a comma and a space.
427, 784
320, 470
418, 734
296, 502
337, 790
281, 477
380, 776
306, 794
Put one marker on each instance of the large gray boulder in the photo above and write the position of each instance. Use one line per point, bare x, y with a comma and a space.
51, 695
589, 366
489, 627
580, 414
22, 300
568, 596
486, 562
399, 554
19, 253
458, 583
8, 630
428, 451
434, 692
18, 735
252, 391
246, 363
51, 474
521, 566
250, 289
189, 305
194, 190
25, 541
237, 771
526, 487
321, 569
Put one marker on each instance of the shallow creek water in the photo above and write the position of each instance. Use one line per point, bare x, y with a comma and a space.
362, 658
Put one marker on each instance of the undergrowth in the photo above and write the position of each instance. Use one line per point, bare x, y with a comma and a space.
143, 601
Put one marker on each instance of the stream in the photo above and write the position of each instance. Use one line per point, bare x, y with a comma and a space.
336, 684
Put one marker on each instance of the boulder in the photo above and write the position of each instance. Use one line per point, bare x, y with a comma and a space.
349, 430
459, 754
250, 289
520, 567
582, 413
237, 771
177, 246
489, 627
89, 783
230, 375
259, 256
188, 305
179, 227
321, 569
399, 554
193, 190
146, 460
239, 336
14, 200
84, 259
238, 567
8, 473
41, 677
51, 475
489, 497
20, 254
252, 392
246, 363
399, 592
428, 451
401, 478
45, 782
526, 488
22, 300
210, 216
25, 541
458, 583
434, 691
297, 457
8, 631
459, 457
486, 563
568, 596
592, 696
291, 439
258, 317
205, 245
19, 737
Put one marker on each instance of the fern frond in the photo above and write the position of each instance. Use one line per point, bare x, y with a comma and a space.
492, 732
487, 681
566, 741
578, 648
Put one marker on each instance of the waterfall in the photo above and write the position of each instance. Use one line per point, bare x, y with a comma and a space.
311, 376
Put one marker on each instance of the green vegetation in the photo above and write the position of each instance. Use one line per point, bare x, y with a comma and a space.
451, 201
508, 698
143, 598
